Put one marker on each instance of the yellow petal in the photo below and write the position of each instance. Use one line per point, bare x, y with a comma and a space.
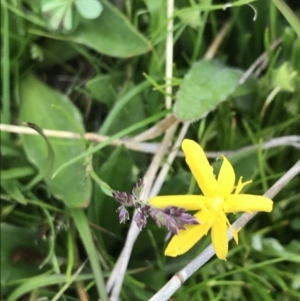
233, 231
189, 202
241, 185
226, 178
248, 203
186, 239
219, 236
200, 167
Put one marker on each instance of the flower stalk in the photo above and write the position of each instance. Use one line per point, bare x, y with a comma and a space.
172, 217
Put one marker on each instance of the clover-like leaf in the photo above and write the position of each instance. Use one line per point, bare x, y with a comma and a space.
89, 9
59, 14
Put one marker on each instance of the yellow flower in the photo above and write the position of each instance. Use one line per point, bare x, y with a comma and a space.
220, 196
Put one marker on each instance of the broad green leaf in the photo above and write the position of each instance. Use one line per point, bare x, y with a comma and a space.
208, 83
89, 9
111, 34
50, 109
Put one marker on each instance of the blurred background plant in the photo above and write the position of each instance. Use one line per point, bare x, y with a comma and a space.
98, 66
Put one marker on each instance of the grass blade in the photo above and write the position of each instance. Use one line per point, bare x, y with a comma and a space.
81, 223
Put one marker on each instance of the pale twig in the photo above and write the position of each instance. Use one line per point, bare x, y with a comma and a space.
211, 51
160, 179
153, 147
116, 278
130, 144
180, 277
149, 134
169, 54
273, 143
156, 130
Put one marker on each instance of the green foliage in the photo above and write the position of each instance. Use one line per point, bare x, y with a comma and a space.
12, 250
74, 66
207, 84
108, 33
52, 110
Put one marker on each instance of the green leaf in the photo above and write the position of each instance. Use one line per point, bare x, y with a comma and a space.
42, 281
104, 87
13, 241
89, 9
119, 106
130, 112
52, 110
157, 13
289, 15
13, 190
84, 230
105, 188
191, 18
121, 134
17, 172
284, 77
59, 14
111, 34
116, 171
57, 52
208, 83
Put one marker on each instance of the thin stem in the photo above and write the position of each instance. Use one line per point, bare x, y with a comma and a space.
166, 167
152, 148
6, 63
169, 53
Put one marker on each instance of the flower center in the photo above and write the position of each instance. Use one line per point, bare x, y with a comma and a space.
217, 204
